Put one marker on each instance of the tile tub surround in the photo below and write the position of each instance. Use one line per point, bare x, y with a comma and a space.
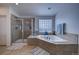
54, 49
70, 37
41, 37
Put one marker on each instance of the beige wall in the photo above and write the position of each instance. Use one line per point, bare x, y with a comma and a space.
3, 10
3, 31
5, 26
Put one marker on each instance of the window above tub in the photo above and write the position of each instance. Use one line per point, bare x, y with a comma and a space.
45, 25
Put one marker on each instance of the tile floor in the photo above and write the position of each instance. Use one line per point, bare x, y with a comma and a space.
24, 50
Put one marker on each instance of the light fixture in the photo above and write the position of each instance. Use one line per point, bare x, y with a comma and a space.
17, 3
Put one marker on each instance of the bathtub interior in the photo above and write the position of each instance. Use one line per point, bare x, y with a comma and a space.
52, 38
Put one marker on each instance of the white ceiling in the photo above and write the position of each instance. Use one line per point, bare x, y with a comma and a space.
40, 9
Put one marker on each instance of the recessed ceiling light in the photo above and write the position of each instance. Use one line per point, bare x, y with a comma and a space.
49, 8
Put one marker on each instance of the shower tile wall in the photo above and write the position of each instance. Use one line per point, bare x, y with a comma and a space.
26, 27
15, 29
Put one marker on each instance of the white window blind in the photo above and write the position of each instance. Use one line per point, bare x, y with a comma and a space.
45, 25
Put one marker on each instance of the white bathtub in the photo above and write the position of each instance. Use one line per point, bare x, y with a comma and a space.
52, 38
